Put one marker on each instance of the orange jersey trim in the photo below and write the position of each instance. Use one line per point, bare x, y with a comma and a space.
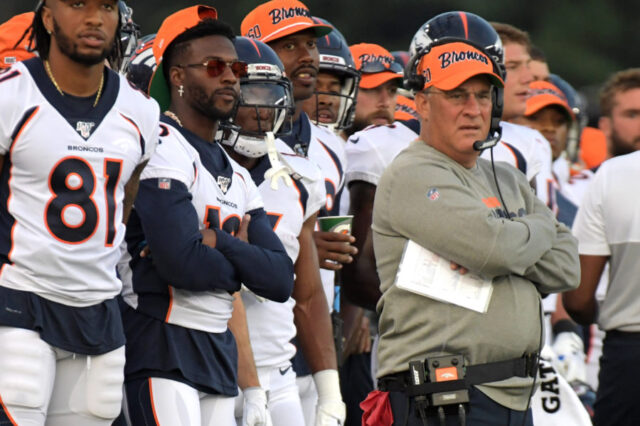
153, 406
166, 319
6, 411
13, 145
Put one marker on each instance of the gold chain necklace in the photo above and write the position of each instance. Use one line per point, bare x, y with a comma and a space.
173, 116
55, 83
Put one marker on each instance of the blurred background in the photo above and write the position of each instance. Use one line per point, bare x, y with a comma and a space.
584, 41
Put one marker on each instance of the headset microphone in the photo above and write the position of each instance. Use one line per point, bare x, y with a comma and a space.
495, 131
490, 142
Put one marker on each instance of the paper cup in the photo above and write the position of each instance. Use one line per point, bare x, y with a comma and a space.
339, 224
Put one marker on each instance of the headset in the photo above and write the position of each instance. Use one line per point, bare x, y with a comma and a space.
415, 82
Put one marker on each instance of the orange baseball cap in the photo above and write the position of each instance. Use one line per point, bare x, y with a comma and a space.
405, 109
279, 18
447, 66
376, 65
543, 94
174, 25
14, 39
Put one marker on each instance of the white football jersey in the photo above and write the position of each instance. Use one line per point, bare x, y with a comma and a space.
62, 184
219, 203
328, 153
326, 150
578, 185
537, 155
371, 150
271, 326
608, 224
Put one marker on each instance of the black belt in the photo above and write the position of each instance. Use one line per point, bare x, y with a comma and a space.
632, 335
525, 366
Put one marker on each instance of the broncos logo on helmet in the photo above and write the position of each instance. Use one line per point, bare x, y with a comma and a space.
142, 63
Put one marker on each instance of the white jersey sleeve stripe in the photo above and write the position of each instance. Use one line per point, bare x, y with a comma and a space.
22, 124
140, 138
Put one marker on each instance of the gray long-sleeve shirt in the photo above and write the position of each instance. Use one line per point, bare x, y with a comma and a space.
455, 212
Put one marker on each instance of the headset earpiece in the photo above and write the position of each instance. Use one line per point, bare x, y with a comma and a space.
496, 108
412, 79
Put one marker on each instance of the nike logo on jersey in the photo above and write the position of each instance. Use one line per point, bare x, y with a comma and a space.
283, 371
84, 128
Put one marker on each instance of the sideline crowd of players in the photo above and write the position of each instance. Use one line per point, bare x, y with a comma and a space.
161, 258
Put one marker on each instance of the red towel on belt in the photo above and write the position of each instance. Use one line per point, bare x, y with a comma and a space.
377, 409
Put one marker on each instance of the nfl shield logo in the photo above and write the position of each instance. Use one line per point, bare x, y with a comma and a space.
84, 128
223, 183
433, 194
164, 183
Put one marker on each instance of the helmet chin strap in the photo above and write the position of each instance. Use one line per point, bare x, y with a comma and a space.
279, 167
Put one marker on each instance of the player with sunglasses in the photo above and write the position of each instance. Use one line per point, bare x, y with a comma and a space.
379, 65
216, 66
202, 219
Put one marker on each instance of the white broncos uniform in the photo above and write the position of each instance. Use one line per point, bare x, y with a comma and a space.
288, 207
326, 150
371, 150
220, 202
62, 188
180, 299
271, 324
63, 182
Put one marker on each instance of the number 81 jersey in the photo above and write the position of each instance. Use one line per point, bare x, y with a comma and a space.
66, 164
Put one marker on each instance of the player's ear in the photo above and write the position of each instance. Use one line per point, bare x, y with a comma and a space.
423, 107
604, 124
47, 18
176, 76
